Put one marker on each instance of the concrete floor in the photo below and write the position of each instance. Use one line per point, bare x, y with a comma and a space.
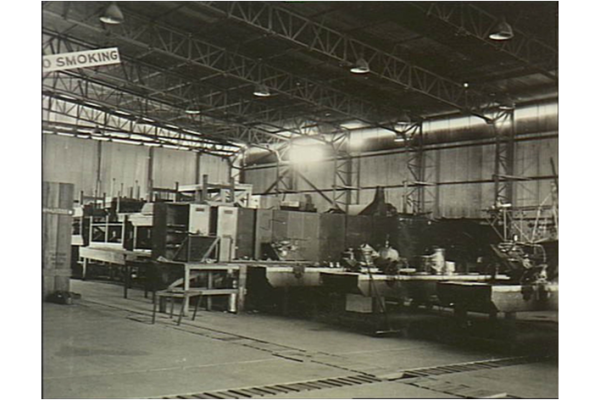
105, 346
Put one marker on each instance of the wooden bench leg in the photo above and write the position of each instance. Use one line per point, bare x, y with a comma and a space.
183, 303
172, 299
154, 309
197, 305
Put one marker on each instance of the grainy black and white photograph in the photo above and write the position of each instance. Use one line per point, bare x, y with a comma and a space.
299, 199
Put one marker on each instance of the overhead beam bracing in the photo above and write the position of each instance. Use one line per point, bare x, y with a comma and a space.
183, 47
341, 47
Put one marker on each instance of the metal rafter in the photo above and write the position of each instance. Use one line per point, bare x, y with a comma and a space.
93, 116
148, 82
318, 38
96, 117
112, 99
114, 96
184, 47
470, 20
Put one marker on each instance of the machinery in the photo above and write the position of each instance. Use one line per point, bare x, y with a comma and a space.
531, 267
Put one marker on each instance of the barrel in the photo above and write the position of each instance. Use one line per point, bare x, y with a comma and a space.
57, 216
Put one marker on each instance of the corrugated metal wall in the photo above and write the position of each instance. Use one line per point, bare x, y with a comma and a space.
216, 168
464, 175
172, 166
70, 161
121, 167
117, 165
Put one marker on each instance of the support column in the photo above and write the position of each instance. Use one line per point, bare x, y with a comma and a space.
241, 284
419, 195
503, 125
345, 178
98, 188
149, 183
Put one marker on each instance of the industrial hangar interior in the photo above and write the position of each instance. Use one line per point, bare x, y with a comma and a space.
299, 199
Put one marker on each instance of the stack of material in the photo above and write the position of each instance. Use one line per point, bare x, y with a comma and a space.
57, 216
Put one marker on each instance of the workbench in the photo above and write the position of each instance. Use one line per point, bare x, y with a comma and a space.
114, 255
192, 269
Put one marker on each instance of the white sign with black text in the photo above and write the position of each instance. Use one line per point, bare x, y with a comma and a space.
81, 59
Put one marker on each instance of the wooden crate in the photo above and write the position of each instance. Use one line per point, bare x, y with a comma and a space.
57, 219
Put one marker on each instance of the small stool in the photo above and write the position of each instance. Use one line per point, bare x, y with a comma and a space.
171, 295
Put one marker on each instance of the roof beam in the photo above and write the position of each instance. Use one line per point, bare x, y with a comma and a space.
470, 20
99, 111
336, 45
94, 91
183, 47
135, 101
96, 116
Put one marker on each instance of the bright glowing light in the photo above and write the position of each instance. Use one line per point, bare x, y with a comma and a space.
306, 154
361, 67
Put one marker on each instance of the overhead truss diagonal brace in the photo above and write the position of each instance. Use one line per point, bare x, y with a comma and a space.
94, 90
339, 46
128, 76
112, 100
471, 20
69, 116
183, 47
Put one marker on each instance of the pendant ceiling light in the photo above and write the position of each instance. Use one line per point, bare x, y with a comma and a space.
192, 109
361, 67
403, 121
112, 15
261, 91
502, 31
506, 103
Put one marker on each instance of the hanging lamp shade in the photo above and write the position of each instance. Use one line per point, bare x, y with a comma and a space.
403, 120
502, 31
261, 91
192, 109
507, 103
361, 67
112, 15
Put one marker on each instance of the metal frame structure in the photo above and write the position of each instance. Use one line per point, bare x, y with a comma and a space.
346, 175
471, 20
144, 101
503, 124
187, 50
339, 46
417, 197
